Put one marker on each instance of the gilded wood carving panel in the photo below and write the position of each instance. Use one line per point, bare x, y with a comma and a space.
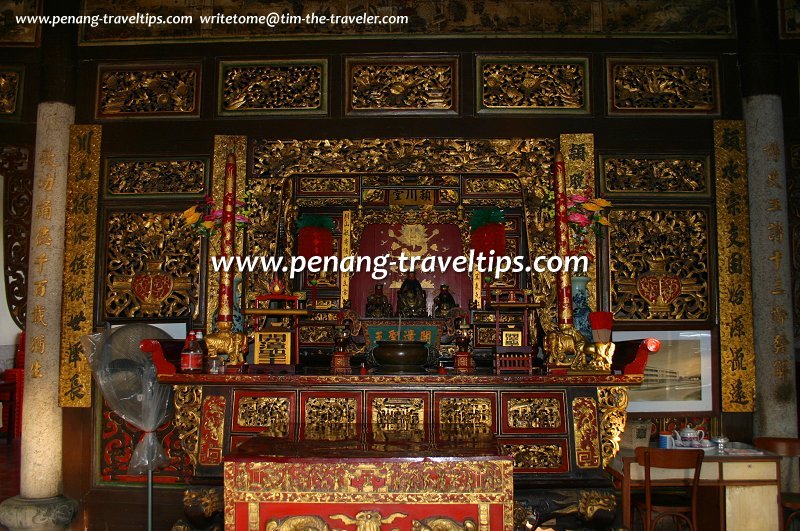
16, 165
538, 455
80, 237
611, 405
587, 436
140, 91
523, 18
682, 86
126, 177
152, 265
11, 84
268, 413
331, 418
273, 87
402, 84
655, 175
276, 162
659, 264
530, 84
737, 352
212, 431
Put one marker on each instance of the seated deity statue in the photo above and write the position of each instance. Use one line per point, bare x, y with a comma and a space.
411, 300
378, 304
444, 302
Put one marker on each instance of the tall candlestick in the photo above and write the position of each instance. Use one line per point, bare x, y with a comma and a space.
563, 285
225, 308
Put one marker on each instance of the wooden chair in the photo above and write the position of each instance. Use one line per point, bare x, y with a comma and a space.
784, 447
678, 505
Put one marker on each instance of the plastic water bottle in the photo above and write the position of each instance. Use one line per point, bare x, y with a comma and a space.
192, 355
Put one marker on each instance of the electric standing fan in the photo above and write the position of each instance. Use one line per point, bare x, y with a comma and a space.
127, 378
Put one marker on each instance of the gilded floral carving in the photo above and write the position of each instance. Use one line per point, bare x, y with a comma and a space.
663, 87
655, 175
156, 249
143, 91
184, 176
270, 86
405, 85
666, 248
518, 83
10, 92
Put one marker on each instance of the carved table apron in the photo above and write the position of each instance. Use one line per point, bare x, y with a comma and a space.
366, 483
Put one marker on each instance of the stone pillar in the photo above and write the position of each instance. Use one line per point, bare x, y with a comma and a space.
776, 400
40, 505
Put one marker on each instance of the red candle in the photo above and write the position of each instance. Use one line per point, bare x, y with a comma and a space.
225, 308
563, 287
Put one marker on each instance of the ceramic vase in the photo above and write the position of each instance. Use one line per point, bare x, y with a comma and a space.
580, 306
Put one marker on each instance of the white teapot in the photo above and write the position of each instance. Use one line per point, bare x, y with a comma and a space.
688, 435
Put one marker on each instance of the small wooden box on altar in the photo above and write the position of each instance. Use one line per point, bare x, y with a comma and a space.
362, 485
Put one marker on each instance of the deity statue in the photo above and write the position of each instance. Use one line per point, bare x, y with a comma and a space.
378, 304
444, 302
411, 298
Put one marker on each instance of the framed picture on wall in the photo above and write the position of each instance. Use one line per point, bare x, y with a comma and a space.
679, 377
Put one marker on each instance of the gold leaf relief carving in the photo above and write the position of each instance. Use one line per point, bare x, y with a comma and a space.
402, 86
536, 455
533, 85
262, 87
9, 91
534, 413
656, 175
328, 185
159, 246
132, 92
156, 176
466, 411
670, 247
270, 413
483, 185
664, 87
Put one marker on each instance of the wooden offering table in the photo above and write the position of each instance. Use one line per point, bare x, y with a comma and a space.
737, 492
364, 484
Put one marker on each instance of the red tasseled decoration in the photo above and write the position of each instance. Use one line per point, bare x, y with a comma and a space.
601, 320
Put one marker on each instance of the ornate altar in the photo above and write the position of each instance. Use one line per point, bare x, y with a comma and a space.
411, 197
317, 486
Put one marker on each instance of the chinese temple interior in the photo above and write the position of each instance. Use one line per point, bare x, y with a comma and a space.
143, 143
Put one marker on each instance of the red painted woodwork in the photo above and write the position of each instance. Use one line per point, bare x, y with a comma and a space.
117, 439
358, 483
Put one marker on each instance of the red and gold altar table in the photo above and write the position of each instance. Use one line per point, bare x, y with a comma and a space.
363, 484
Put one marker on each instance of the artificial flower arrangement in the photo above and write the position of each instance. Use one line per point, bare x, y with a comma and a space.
585, 216
204, 218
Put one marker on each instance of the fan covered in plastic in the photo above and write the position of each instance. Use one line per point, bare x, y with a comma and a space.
127, 378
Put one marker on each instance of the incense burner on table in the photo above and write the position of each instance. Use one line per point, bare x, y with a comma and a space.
393, 357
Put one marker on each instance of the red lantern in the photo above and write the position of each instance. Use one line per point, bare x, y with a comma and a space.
489, 237
314, 241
